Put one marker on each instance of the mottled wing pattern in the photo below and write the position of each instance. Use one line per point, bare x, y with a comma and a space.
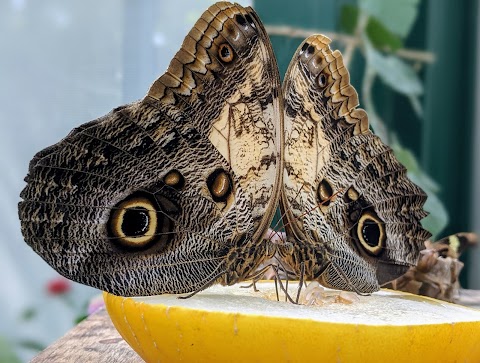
351, 211
173, 192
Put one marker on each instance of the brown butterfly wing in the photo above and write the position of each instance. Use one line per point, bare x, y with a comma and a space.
352, 213
162, 196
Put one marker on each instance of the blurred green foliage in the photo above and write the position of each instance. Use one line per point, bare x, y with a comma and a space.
7, 353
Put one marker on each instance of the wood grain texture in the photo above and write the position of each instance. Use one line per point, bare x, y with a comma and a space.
93, 340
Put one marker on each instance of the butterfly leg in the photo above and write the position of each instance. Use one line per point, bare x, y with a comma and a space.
256, 277
204, 286
301, 281
284, 288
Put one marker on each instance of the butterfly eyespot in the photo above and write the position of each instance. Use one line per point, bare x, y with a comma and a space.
351, 195
241, 20
219, 185
250, 20
304, 48
371, 233
174, 179
324, 193
321, 80
310, 50
225, 52
133, 222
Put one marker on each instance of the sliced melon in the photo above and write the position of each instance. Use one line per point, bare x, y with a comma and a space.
232, 324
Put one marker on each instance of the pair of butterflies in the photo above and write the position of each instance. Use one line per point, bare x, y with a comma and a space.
176, 191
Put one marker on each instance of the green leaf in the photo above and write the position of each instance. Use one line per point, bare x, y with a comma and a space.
406, 157
416, 105
394, 72
396, 15
377, 124
381, 37
348, 18
377, 33
7, 354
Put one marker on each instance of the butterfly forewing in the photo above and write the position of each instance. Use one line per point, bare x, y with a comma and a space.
173, 192
351, 211
237, 102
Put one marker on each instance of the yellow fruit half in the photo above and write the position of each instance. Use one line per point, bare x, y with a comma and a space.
231, 324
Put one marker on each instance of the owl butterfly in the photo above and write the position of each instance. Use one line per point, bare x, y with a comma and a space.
351, 211
175, 192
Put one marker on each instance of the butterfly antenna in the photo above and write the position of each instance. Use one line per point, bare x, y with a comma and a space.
280, 220
256, 276
273, 233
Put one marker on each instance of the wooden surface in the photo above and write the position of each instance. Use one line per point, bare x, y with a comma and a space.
93, 340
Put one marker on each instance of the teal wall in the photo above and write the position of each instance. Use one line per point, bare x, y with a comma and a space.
442, 140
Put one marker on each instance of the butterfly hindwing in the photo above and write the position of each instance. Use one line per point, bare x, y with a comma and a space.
165, 195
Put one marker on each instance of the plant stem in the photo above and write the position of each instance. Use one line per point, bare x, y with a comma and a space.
350, 47
347, 40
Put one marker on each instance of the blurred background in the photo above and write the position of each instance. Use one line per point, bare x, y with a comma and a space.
415, 64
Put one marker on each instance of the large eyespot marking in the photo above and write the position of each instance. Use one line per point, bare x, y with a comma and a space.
324, 192
304, 48
351, 195
310, 50
371, 233
324, 195
174, 179
241, 20
250, 20
219, 185
225, 52
321, 80
134, 222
